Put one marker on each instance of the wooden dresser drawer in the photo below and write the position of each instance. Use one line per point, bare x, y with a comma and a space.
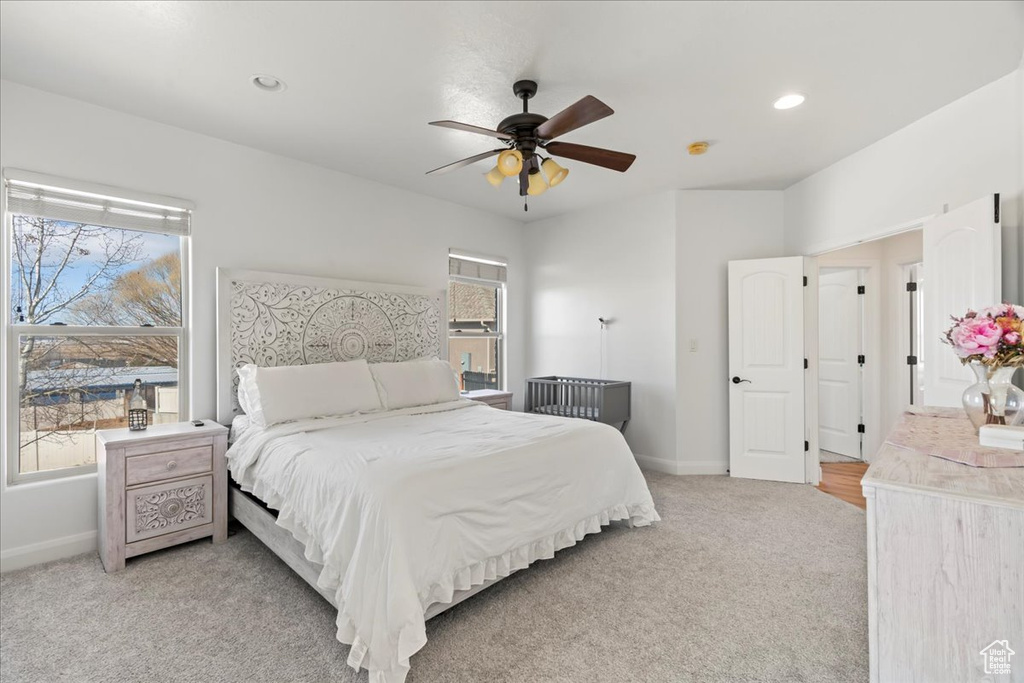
168, 507
143, 469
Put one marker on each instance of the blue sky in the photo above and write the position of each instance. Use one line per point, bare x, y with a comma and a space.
75, 275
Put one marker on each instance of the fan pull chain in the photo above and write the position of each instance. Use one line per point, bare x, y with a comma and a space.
525, 207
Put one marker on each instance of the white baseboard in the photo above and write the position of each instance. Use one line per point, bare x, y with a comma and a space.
45, 551
647, 462
703, 467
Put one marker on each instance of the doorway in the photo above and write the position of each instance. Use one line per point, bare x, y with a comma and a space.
773, 336
869, 347
841, 357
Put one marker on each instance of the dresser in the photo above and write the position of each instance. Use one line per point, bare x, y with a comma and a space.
159, 487
492, 397
945, 547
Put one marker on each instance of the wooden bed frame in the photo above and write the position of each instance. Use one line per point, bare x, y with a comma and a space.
347, 319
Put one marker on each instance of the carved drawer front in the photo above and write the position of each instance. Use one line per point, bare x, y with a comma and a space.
171, 506
142, 469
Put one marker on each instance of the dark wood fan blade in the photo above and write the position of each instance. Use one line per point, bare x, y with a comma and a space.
587, 110
471, 129
524, 179
617, 161
465, 162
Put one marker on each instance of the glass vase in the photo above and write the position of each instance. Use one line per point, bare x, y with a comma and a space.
993, 400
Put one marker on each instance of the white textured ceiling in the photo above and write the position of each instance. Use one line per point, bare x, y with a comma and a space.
364, 78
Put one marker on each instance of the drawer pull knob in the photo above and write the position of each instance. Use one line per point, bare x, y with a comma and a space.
171, 465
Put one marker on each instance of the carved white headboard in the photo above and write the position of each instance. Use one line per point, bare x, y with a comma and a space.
273, 319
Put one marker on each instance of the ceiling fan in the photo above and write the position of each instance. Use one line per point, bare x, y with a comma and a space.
527, 133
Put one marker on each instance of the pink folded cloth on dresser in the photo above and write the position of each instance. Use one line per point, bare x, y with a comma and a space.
947, 433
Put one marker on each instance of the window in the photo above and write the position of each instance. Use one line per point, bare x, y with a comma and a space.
476, 321
94, 280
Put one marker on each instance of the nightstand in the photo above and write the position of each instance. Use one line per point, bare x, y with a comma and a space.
158, 487
492, 397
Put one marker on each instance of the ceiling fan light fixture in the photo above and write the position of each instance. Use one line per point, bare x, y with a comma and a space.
537, 184
554, 172
495, 176
510, 162
527, 133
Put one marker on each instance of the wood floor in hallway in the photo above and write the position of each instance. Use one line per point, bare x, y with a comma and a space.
842, 480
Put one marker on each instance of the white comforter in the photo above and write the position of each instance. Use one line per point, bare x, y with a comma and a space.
406, 506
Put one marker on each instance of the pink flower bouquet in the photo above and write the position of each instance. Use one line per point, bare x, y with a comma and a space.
993, 336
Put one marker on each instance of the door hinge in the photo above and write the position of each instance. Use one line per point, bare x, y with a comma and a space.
860, 429
911, 286
805, 280
860, 359
911, 360
807, 446
860, 289
995, 217
805, 363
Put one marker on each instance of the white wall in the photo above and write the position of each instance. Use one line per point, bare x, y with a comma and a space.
253, 210
963, 151
614, 261
712, 228
657, 265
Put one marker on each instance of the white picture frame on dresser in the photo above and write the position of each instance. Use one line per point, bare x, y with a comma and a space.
158, 487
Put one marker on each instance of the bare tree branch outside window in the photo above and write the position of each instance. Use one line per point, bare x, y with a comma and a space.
71, 273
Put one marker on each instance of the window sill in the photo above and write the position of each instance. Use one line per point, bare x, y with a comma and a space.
48, 478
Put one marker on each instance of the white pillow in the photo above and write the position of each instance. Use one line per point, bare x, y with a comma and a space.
248, 394
295, 392
421, 382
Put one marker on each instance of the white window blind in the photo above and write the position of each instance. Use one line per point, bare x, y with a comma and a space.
57, 199
477, 267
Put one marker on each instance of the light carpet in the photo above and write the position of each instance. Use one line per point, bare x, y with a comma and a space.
741, 581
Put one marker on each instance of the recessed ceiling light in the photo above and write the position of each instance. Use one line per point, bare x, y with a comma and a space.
789, 101
268, 83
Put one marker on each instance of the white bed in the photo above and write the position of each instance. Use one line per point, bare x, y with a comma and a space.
398, 513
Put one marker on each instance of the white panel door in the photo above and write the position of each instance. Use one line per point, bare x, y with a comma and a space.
766, 369
962, 260
839, 373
